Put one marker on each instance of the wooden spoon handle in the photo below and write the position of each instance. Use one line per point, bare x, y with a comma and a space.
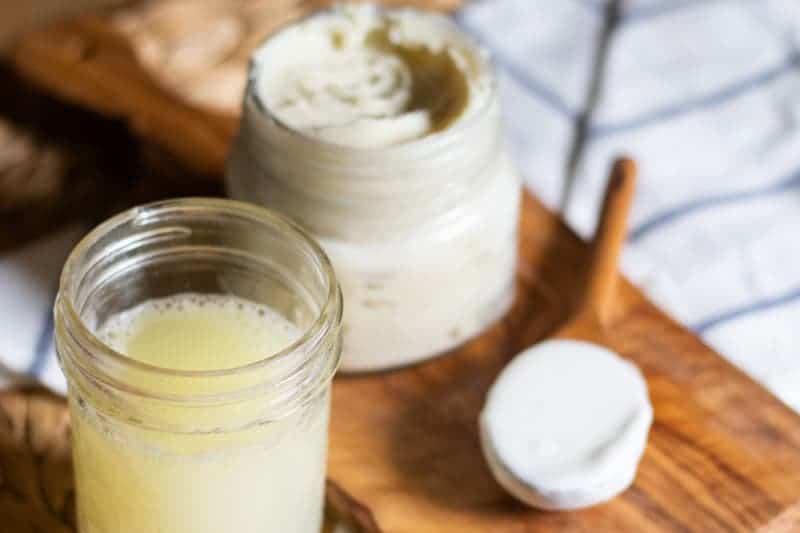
609, 240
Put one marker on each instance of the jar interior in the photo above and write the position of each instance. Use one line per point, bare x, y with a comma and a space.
156, 254
205, 246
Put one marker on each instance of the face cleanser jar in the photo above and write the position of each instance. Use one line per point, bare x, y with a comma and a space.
199, 338
380, 132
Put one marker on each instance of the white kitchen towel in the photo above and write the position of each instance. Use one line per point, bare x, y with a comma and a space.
704, 94
28, 285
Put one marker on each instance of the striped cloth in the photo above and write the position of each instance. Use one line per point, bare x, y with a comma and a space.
704, 94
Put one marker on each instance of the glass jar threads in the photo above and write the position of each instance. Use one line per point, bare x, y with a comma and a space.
199, 338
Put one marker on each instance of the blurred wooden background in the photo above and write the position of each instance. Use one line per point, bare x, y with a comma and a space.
19, 16
109, 103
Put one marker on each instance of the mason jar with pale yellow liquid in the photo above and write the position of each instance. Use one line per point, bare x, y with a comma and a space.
199, 338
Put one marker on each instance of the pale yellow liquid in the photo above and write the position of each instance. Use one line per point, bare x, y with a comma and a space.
265, 479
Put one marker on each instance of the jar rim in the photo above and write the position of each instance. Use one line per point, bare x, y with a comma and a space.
332, 307
251, 94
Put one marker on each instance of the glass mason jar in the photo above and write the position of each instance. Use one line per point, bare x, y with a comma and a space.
422, 233
241, 449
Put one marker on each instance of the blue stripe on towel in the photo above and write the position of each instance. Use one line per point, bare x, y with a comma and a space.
639, 14
721, 96
43, 343
762, 305
670, 215
534, 87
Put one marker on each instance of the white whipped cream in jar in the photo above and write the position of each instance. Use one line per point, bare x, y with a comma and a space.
380, 131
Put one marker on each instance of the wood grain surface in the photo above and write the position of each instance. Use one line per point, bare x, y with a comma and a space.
36, 486
723, 454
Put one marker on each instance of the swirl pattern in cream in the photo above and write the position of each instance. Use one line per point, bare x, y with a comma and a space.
363, 77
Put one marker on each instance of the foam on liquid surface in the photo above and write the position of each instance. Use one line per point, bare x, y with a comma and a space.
193, 331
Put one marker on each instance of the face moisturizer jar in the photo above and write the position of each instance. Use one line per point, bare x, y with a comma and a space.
199, 338
380, 132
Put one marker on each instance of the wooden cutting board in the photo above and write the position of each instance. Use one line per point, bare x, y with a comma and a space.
723, 454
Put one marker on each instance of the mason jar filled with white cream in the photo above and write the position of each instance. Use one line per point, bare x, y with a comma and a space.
379, 130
